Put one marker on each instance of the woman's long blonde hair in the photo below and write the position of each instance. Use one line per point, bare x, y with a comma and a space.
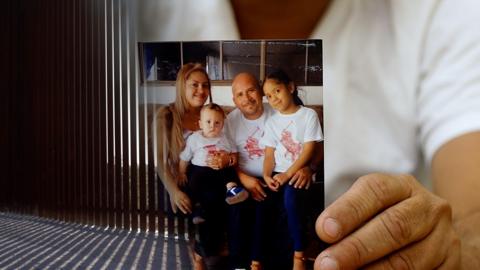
169, 128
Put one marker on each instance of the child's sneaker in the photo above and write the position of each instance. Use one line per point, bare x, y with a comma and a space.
236, 194
197, 216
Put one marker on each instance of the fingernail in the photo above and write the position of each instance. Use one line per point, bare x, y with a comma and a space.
328, 263
331, 227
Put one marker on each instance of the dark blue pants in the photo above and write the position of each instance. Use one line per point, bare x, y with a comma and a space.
207, 187
260, 231
293, 200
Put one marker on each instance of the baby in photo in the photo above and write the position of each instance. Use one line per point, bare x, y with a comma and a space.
204, 183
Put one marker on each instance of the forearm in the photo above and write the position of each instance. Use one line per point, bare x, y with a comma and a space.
182, 166
242, 176
456, 176
268, 162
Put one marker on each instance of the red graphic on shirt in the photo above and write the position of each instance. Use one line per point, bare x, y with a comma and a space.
252, 147
293, 148
211, 149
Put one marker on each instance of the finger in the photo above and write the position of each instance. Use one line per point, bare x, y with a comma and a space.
309, 182
185, 206
295, 182
369, 195
273, 186
300, 183
260, 190
254, 193
210, 163
402, 224
294, 178
443, 252
257, 196
181, 207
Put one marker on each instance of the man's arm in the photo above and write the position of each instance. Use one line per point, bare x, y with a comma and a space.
302, 161
252, 184
303, 177
456, 178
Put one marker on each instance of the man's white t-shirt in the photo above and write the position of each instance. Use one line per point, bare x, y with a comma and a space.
246, 135
401, 78
287, 133
198, 147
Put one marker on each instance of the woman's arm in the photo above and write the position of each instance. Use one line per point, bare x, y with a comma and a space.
178, 198
182, 169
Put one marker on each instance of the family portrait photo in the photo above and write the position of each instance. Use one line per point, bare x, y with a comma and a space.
238, 137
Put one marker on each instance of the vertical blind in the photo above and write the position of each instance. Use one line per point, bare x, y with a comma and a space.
76, 145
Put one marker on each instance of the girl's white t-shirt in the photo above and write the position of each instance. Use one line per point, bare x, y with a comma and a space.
287, 133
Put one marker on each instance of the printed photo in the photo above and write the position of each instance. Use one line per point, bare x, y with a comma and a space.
237, 137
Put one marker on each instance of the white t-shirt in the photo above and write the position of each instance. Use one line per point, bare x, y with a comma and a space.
198, 147
246, 135
288, 132
401, 78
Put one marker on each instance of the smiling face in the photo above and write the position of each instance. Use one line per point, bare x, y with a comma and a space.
197, 89
247, 96
279, 96
211, 122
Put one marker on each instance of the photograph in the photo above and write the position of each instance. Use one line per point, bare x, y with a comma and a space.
264, 98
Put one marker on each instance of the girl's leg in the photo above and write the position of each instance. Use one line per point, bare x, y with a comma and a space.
293, 201
299, 261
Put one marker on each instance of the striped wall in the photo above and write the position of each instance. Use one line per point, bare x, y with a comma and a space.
74, 141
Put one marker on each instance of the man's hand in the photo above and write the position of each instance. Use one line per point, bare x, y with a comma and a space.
254, 187
388, 222
302, 178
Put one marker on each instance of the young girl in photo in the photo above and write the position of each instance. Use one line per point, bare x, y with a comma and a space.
290, 137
